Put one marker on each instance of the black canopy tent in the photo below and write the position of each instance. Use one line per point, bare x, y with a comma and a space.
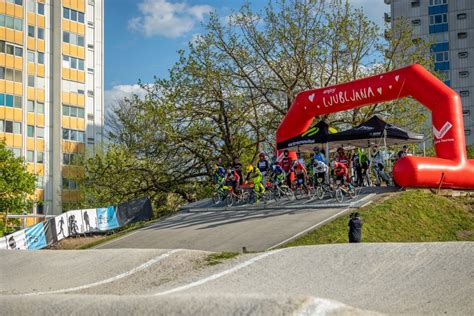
318, 134
375, 131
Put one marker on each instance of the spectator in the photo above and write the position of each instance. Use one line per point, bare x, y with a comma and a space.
355, 228
404, 152
237, 166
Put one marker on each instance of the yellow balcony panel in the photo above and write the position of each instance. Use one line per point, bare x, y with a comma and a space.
40, 95
40, 45
18, 12
67, 3
65, 122
40, 144
72, 171
40, 119
40, 21
2, 113
9, 61
18, 37
3, 7
18, 62
17, 115
8, 139
70, 147
74, 4
9, 114
40, 169
9, 87
30, 118
73, 74
39, 194
10, 35
73, 27
73, 123
81, 29
81, 148
31, 93
18, 88
81, 100
81, 76
2, 59
17, 140
31, 18
66, 49
71, 196
31, 43
30, 143
66, 25
2, 86
31, 68
10, 9
81, 5
40, 70
66, 98
81, 124
81, 52
30, 167
73, 50
73, 99
66, 73
3, 32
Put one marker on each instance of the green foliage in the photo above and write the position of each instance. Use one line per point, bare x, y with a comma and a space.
411, 216
218, 257
17, 185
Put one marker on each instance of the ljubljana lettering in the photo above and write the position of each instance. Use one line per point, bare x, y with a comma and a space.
343, 97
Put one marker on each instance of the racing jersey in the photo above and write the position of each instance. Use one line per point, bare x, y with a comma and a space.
263, 165
340, 169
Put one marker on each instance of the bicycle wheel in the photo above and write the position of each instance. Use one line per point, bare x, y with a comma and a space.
244, 197
339, 195
287, 192
352, 191
216, 199
230, 200
320, 192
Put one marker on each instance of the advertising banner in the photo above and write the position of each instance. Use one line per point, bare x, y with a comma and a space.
60, 223
89, 218
50, 231
35, 237
133, 211
17, 240
107, 218
75, 224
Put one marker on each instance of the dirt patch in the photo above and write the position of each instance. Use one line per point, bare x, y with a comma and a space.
77, 242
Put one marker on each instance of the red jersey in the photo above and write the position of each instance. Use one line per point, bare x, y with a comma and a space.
340, 169
286, 163
342, 159
233, 175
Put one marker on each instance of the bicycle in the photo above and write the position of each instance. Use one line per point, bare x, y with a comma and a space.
281, 190
323, 188
342, 190
299, 190
220, 195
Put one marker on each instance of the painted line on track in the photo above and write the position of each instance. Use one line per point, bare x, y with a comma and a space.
220, 274
316, 306
112, 279
309, 228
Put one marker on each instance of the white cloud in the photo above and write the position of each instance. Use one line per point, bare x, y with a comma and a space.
168, 19
118, 92
374, 9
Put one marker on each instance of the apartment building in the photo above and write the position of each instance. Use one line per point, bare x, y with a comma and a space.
449, 24
51, 90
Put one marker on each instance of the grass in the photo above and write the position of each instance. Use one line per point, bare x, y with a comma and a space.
411, 216
216, 258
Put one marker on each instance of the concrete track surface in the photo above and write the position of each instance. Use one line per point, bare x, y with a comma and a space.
344, 279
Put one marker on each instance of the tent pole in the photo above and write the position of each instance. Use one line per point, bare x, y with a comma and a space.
327, 161
424, 148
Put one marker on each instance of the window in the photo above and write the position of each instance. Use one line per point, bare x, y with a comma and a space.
73, 15
66, 160
8, 100
31, 6
30, 131
464, 93
16, 128
16, 152
66, 13
31, 31
66, 37
40, 8
31, 81
462, 16
39, 132
40, 33
463, 54
39, 83
19, 24
80, 112
80, 40
464, 74
2, 73
30, 156
438, 2
438, 19
467, 132
441, 57
31, 56
39, 107
8, 127
2, 126
416, 22
73, 135
30, 106
40, 58
462, 35
17, 101
18, 51
80, 17
10, 22
10, 49
39, 157
415, 3
18, 76
73, 111
466, 112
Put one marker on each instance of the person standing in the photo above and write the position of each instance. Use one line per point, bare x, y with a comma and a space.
355, 228
404, 152
237, 166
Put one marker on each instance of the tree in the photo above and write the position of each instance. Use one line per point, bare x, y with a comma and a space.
17, 185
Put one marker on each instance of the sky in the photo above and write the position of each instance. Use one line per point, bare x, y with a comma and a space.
142, 37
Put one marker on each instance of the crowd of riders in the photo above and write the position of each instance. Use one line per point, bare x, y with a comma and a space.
352, 167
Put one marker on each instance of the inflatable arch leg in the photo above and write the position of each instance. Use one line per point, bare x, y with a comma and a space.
450, 169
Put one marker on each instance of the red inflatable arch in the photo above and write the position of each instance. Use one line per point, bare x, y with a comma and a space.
450, 169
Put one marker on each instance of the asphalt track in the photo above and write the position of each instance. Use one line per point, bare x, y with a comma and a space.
257, 227
344, 279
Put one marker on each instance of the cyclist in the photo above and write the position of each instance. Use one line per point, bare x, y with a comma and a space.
220, 180
319, 172
287, 163
300, 159
255, 175
278, 175
379, 166
237, 166
301, 175
341, 156
232, 180
318, 155
341, 172
263, 165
